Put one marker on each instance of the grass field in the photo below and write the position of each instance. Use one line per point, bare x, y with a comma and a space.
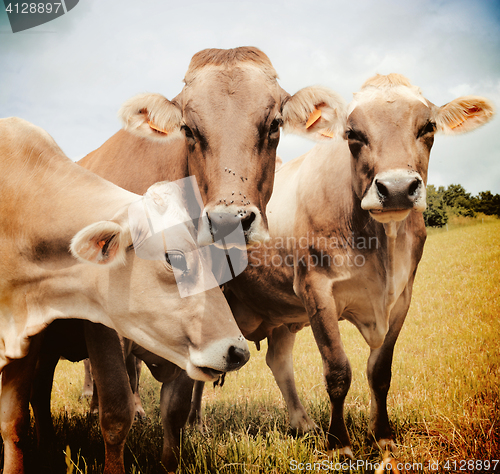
444, 400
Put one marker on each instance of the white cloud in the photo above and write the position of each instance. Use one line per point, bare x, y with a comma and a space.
72, 81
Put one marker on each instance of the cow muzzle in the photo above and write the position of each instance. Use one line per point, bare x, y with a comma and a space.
393, 194
229, 227
220, 357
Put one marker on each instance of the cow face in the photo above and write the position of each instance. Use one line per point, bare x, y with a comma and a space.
232, 125
151, 265
230, 113
390, 132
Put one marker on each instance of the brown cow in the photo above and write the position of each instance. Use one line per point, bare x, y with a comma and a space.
67, 252
347, 235
223, 128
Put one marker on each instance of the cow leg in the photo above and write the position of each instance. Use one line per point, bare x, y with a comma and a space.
134, 366
175, 403
88, 382
94, 402
195, 417
14, 407
89, 389
379, 375
279, 358
116, 401
40, 400
315, 292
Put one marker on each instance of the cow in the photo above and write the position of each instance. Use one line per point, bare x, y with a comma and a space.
68, 252
223, 128
347, 234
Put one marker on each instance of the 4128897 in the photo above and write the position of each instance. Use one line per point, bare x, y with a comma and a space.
471, 465
27, 8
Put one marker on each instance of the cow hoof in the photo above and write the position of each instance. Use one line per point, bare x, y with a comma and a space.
195, 421
303, 425
341, 453
386, 444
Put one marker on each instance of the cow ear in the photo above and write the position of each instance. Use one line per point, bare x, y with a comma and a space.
151, 116
464, 114
102, 243
279, 163
316, 112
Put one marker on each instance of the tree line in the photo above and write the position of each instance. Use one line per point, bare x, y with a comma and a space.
455, 201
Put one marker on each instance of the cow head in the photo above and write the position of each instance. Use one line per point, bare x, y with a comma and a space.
390, 132
230, 112
166, 272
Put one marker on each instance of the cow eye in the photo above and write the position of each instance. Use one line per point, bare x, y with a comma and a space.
188, 132
177, 261
430, 127
353, 135
275, 126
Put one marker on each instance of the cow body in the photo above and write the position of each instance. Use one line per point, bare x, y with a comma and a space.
223, 128
51, 206
347, 234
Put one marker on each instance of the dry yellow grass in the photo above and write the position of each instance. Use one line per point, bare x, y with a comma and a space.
444, 399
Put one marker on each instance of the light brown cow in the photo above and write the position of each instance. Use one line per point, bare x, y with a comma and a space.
49, 206
347, 236
223, 128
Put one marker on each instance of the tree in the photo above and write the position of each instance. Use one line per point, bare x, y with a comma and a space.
435, 215
460, 202
487, 203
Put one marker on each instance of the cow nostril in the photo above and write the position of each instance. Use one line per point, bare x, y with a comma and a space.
412, 190
237, 356
382, 190
247, 221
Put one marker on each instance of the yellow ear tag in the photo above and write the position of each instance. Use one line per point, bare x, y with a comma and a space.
101, 243
327, 133
155, 128
313, 118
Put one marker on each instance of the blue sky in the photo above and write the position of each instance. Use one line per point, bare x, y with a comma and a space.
71, 75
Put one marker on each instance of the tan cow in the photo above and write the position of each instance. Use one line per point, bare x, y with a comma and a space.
223, 128
52, 211
347, 236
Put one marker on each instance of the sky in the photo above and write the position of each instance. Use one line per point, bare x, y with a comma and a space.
70, 76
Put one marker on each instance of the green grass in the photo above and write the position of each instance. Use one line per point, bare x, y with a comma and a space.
459, 222
444, 400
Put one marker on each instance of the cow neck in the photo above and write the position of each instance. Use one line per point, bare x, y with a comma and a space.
362, 220
348, 216
135, 163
